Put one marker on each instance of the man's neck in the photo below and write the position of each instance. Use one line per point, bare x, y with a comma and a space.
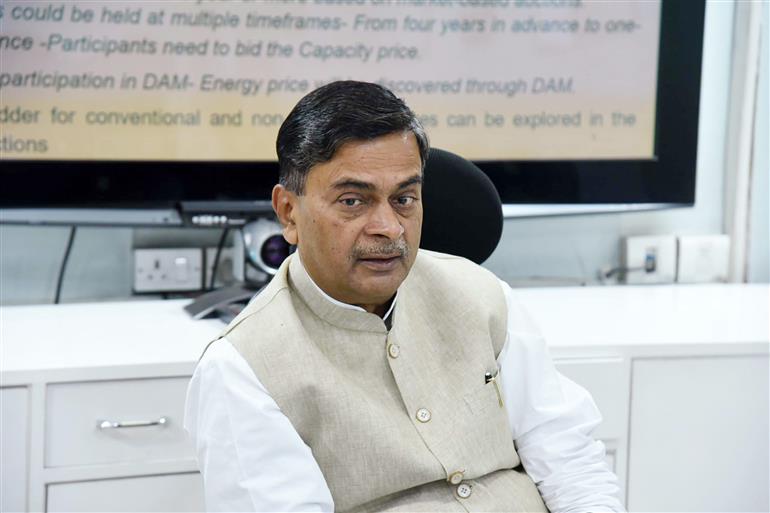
378, 310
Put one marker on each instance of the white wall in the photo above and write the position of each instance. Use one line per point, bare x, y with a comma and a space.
759, 215
100, 266
567, 247
30, 257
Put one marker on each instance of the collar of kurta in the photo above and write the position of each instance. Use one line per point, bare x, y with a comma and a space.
329, 309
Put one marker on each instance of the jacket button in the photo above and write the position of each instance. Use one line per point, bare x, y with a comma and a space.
423, 415
456, 478
393, 350
464, 490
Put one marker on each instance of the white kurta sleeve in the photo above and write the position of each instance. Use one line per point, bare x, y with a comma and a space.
551, 421
249, 454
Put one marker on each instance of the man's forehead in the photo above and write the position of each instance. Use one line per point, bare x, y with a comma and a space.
387, 161
351, 182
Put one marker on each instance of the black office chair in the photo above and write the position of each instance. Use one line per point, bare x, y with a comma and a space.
462, 212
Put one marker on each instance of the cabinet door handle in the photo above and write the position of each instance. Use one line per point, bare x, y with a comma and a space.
113, 424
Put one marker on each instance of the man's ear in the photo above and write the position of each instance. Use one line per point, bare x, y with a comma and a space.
285, 205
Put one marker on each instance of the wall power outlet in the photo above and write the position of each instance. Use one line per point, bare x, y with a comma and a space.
168, 270
703, 258
649, 259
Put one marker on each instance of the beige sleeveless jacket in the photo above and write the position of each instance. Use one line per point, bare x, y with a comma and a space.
399, 420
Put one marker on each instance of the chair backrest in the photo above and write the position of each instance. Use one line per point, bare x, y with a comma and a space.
463, 214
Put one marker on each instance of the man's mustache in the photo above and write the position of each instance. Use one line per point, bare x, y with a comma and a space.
385, 250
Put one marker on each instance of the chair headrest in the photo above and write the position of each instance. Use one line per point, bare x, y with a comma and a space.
462, 212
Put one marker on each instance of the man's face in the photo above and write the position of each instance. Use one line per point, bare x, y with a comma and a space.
357, 225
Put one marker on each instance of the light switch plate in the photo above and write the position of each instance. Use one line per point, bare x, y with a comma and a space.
168, 270
225, 267
703, 258
638, 250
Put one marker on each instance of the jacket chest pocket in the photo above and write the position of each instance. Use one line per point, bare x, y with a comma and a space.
485, 397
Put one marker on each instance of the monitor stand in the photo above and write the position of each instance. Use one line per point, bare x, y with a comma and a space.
223, 303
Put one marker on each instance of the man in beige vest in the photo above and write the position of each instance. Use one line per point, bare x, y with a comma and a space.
373, 376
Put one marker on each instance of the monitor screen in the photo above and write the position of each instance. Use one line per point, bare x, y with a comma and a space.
155, 102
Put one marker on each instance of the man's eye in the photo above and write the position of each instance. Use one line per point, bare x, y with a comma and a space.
406, 201
351, 202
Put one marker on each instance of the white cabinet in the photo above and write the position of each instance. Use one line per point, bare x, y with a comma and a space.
178, 492
112, 445
103, 445
680, 375
101, 422
13, 447
95, 430
65, 370
607, 379
699, 434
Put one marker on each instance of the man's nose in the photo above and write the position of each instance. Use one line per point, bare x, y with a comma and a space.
384, 221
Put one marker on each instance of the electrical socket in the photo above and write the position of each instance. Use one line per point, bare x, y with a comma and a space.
168, 270
649, 259
703, 258
225, 268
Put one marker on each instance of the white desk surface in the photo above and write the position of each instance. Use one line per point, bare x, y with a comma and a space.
645, 314
144, 338
79, 336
